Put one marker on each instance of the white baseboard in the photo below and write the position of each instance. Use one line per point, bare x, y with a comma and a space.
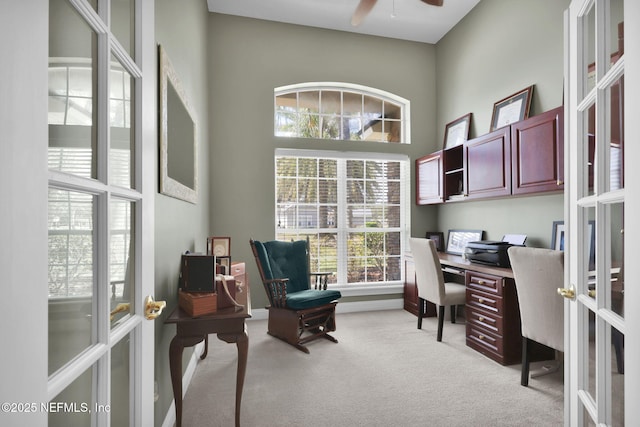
345, 307
262, 314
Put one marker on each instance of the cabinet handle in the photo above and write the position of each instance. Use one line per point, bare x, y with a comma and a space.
481, 282
559, 182
481, 337
480, 300
481, 319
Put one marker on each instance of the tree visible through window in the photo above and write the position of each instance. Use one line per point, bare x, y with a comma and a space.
340, 111
351, 206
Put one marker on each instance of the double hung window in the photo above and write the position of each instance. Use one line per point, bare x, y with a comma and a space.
353, 207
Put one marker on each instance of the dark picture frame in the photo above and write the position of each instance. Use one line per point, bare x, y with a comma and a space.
457, 131
558, 239
512, 108
458, 239
438, 238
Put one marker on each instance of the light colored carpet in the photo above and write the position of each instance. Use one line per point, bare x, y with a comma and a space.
383, 372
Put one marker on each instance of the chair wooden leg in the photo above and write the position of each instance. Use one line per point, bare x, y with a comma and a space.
421, 304
524, 379
453, 313
440, 321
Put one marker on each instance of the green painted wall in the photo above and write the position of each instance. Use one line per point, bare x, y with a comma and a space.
499, 48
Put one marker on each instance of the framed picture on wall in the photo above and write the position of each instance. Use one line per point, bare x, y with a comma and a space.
457, 131
458, 239
512, 108
558, 240
438, 238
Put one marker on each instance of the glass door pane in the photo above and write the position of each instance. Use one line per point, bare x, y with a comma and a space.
71, 275
72, 92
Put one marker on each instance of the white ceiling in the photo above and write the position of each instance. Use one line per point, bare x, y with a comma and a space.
413, 19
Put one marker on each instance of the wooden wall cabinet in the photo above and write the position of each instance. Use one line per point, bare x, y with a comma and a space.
526, 157
538, 153
488, 165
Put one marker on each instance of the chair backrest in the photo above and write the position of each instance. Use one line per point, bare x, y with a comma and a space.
538, 274
283, 260
429, 277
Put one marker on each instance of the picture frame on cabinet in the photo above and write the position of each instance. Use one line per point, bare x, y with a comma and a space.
511, 109
438, 238
457, 131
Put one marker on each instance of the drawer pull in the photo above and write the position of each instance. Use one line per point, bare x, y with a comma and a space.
481, 300
481, 282
481, 337
480, 319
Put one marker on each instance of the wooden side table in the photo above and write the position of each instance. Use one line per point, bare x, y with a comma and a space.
230, 327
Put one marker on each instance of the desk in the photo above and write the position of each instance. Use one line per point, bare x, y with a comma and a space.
492, 313
230, 327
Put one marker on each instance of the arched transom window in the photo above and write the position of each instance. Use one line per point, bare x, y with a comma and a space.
340, 111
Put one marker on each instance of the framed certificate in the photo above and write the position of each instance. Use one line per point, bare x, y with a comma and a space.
457, 132
511, 109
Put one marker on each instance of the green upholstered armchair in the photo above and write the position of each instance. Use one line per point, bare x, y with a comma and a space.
298, 313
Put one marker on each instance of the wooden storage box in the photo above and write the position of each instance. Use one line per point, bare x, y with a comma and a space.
198, 304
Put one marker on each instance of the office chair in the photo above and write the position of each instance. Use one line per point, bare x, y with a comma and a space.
538, 274
431, 284
297, 313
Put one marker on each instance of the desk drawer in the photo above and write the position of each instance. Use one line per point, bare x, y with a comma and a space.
484, 282
484, 301
480, 319
485, 342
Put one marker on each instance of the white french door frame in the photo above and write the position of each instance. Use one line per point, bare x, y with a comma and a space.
26, 387
577, 100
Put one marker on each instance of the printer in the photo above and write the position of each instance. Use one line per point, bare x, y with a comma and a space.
492, 252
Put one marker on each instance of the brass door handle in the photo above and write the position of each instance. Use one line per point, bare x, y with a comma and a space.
152, 309
122, 307
567, 293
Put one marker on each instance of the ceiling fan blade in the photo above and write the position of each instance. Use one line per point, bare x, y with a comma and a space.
362, 10
433, 2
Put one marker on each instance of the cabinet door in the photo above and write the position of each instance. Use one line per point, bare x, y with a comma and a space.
429, 176
537, 149
488, 164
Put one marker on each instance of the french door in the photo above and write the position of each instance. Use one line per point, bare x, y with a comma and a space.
79, 173
599, 386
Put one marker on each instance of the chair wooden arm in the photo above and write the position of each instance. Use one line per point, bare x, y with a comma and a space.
277, 292
319, 279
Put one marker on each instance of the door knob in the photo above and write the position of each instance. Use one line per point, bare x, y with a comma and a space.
567, 293
152, 309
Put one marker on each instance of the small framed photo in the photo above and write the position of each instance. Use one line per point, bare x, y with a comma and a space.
558, 240
438, 238
511, 109
457, 131
219, 246
458, 239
